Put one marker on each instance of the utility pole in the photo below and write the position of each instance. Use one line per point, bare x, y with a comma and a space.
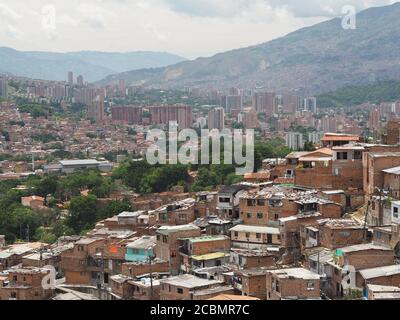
151, 278
366, 217
380, 208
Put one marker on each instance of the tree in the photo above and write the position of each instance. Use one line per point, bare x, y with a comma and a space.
45, 236
114, 208
46, 186
82, 213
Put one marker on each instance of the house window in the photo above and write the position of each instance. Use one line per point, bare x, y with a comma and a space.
182, 216
277, 286
248, 215
310, 286
336, 271
357, 155
313, 264
236, 234
395, 212
342, 156
180, 290
247, 235
260, 215
258, 235
261, 202
378, 235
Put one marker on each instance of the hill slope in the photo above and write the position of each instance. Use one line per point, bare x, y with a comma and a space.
92, 65
386, 91
316, 59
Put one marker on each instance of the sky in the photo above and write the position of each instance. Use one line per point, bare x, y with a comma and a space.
190, 28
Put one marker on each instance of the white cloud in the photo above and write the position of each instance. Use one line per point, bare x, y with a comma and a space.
212, 8
93, 14
14, 32
190, 28
9, 14
324, 8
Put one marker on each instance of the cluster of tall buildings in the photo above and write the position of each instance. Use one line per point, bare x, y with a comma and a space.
159, 115
127, 114
79, 79
264, 102
57, 92
162, 115
86, 95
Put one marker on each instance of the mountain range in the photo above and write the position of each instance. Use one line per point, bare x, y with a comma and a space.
93, 65
315, 59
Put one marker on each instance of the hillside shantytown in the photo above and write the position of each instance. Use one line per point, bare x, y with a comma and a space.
85, 216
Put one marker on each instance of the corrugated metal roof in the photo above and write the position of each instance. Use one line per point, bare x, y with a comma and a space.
209, 256
380, 272
256, 229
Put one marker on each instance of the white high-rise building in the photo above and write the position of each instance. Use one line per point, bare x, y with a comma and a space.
310, 104
294, 140
315, 137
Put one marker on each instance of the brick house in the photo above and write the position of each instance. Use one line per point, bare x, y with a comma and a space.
250, 259
184, 286
251, 282
377, 292
78, 264
337, 233
135, 269
25, 284
255, 237
373, 165
361, 256
167, 246
176, 213
145, 289
292, 284
228, 201
384, 276
205, 251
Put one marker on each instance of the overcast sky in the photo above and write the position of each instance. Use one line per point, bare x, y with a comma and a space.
190, 28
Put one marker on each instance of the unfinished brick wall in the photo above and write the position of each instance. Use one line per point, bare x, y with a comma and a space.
134, 270
292, 288
338, 238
